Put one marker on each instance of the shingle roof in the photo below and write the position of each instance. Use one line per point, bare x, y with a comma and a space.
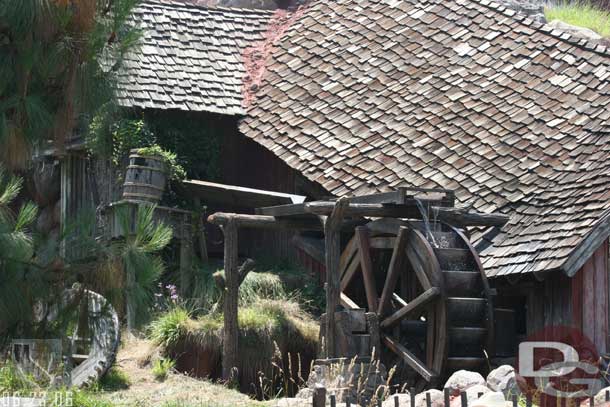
190, 57
365, 95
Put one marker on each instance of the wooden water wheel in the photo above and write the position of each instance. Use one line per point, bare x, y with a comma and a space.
429, 291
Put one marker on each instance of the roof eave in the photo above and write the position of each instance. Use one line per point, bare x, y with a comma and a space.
587, 246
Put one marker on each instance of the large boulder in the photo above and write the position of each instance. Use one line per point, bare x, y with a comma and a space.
462, 380
503, 379
576, 31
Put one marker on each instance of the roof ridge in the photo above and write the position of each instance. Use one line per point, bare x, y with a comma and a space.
189, 4
589, 45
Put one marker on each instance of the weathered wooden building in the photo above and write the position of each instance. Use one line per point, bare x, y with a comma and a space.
362, 96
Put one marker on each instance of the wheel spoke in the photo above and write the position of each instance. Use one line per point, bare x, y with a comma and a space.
409, 358
347, 256
421, 301
366, 264
396, 264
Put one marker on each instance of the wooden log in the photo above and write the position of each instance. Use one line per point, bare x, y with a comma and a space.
264, 222
421, 301
394, 268
364, 248
270, 222
332, 234
230, 356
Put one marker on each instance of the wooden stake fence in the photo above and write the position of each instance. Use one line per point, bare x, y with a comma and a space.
320, 400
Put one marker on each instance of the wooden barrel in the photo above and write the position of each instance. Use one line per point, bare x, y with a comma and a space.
145, 178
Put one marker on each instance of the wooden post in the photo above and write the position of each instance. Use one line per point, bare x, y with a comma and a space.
319, 396
332, 235
186, 258
230, 355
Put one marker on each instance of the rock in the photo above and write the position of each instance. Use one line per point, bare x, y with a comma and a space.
356, 381
532, 9
404, 399
580, 32
436, 397
462, 380
503, 380
304, 393
492, 399
472, 394
298, 402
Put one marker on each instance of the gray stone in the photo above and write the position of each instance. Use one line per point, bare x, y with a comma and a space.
576, 31
472, 394
503, 380
462, 380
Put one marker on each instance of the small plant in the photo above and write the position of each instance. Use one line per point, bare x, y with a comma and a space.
176, 171
162, 367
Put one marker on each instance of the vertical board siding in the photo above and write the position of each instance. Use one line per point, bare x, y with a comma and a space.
591, 304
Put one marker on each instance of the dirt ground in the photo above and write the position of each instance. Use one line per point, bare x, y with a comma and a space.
176, 391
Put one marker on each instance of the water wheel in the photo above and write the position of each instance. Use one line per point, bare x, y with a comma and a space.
428, 289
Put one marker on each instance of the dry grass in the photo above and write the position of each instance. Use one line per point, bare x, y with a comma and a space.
175, 390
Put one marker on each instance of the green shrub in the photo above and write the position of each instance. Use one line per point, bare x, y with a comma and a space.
161, 368
170, 327
176, 171
114, 379
11, 380
581, 15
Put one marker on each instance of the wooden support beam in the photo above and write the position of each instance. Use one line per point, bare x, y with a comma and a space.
420, 301
409, 358
366, 264
396, 263
454, 216
332, 234
230, 356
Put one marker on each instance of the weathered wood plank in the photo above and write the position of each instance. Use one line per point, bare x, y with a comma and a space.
348, 302
419, 302
394, 269
364, 249
312, 246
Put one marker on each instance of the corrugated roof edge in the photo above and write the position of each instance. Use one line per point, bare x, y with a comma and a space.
201, 6
589, 45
